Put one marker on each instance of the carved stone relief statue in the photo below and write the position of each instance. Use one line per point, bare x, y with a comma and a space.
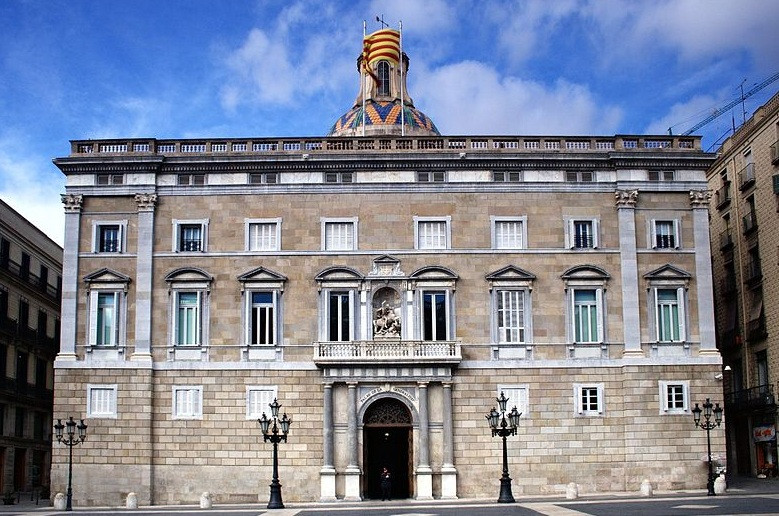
386, 318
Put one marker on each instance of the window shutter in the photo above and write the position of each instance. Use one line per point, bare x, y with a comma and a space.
677, 234
95, 237
600, 313
569, 235
664, 391
686, 394
351, 315
601, 399
93, 295
680, 301
656, 304
247, 313
572, 314
199, 318
595, 233
578, 393
652, 234
116, 318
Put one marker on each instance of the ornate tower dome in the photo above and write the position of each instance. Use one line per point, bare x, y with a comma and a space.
383, 106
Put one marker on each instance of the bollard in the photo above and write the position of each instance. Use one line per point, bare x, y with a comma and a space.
132, 501
720, 485
205, 500
646, 488
60, 502
572, 491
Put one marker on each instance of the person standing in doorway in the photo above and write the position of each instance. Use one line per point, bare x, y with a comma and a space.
386, 485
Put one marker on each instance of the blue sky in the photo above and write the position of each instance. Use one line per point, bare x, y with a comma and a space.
75, 69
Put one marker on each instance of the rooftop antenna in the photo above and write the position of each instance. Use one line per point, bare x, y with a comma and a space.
381, 20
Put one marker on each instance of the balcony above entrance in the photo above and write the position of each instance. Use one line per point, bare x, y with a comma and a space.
387, 352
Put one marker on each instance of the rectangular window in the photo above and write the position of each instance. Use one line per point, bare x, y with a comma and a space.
257, 400
665, 234
579, 177
188, 311
187, 402
263, 235
517, 397
107, 319
109, 239
262, 318
339, 235
431, 177
589, 399
670, 322
674, 397
508, 234
511, 316
339, 316
585, 316
434, 316
338, 177
582, 234
191, 179
110, 179
101, 401
505, 176
661, 175
268, 178
190, 237
432, 234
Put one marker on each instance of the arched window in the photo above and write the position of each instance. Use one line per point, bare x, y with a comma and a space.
383, 70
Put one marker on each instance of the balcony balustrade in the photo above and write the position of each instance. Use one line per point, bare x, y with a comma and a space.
725, 240
723, 197
750, 222
775, 153
24, 274
754, 398
747, 176
389, 351
753, 271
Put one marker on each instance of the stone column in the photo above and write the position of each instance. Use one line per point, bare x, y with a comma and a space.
68, 328
143, 276
631, 321
448, 471
327, 473
352, 473
699, 202
424, 472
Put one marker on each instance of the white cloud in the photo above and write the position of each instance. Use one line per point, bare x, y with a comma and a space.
477, 100
682, 116
31, 191
419, 17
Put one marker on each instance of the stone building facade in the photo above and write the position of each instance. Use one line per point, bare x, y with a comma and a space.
744, 231
30, 283
385, 288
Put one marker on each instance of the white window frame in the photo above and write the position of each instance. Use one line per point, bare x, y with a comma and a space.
447, 313
96, 231
255, 404
681, 301
275, 245
675, 228
579, 409
570, 232
599, 315
663, 388
447, 221
199, 317
521, 234
512, 392
99, 411
196, 404
498, 293
249, 307
177, 228
329, 222
119, 317
351, 293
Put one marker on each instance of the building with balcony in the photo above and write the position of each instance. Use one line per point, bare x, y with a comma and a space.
30, 283
746, 273
386, 284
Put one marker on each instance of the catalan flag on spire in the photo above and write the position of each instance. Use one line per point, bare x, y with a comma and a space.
382, 44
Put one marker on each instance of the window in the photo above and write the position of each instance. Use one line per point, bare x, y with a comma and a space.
190, 235
188, 318
109, 179
338, 177
262, 293
589, 399
582, 233
665, 234
431, 177
511, 320
107, 311
435, 315
263, 234
266, 178
109, 237
339, 234
383, 72
661, 175
432, 233
508, 233
261, 329
505, 176
674, 397
191, 179
517, 397
188, 313
586, 319
511, 316
258, 397
339, 308
187, 402
101, 401
670, 314
579, 177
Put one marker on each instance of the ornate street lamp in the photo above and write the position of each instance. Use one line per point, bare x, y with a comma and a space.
70, 441
503, 425
271, 433
708, 425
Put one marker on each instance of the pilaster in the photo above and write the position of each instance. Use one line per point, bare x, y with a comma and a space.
448, 471
424, 473
69, 323
352, 473
327, 473
626, 203
699, 202
143, 278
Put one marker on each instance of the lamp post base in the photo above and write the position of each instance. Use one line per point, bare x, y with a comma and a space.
505, 490
274, 502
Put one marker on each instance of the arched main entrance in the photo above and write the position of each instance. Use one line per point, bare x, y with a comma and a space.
387, 442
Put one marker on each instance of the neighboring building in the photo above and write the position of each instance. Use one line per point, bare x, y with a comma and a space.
745, 232
30, 285
386, 288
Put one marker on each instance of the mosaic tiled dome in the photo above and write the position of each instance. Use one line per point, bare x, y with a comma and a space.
386, 114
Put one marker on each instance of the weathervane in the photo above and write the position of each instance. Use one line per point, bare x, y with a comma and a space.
381, 20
